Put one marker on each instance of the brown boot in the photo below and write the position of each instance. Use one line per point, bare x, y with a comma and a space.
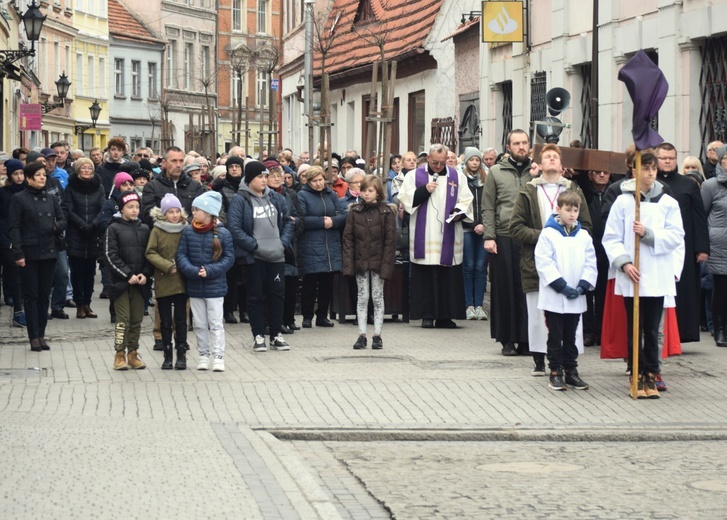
80, 312
135, 361
35, 345
120, 361
89, 312
650, 387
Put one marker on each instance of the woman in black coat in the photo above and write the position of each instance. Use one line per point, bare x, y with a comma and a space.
11, 276
36, 224
84, 198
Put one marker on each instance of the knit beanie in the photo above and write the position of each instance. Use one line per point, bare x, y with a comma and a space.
471, 152
253, 169
146, 164
234, 159
129, 166
13, 165
191, 167
169, 202
209, 202
271, 163
721, 152
121, 178
128, 196
218, 170
32, 156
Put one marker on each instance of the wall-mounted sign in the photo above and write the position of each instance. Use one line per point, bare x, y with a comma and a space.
31, 116
502, 22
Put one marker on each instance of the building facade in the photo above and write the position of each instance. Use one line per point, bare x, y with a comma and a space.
136, 60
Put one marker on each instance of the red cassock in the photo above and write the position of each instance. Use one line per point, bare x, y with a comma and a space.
614, 329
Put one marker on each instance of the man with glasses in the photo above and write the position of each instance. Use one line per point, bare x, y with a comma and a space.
711, 163
696, 240
437, 198
142, 153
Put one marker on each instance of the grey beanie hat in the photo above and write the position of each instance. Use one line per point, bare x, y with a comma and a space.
721, 152
471, 152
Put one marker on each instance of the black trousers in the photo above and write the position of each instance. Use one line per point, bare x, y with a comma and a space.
650, 311
236, 290
179, 318
291, 293
562, 349
11, 279
593, 317
37, 279
83, 272
719, 297
265, 282
316, 286
508, 306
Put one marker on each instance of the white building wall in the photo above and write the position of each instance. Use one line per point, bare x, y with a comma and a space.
562, 42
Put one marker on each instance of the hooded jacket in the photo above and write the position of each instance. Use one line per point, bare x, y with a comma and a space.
124, 254
319, 248
84, 200
228, 190
161, 252
526, 224
186, 189
241, 222
498, 197
369, 240
714, 196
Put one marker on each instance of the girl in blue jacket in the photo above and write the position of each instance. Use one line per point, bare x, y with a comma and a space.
206, 252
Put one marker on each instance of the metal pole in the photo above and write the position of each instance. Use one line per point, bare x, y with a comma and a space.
308, 87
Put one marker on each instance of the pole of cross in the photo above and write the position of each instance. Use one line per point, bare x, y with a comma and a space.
636, 335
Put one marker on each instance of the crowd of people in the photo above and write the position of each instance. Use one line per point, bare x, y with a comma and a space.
209, 242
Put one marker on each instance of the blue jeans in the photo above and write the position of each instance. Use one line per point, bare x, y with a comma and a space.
60, 282
474, 269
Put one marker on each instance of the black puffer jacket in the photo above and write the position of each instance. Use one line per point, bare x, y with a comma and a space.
228, 191
37, 224
125, 254
84, 200
186, 190
106, 172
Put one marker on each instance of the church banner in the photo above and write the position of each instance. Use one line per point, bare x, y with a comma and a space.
502, 22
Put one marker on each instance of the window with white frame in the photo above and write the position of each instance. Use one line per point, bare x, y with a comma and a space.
91, 77
136, 78
205, 65
172, 64
262, 16
188, 64
102, 77
57, 57
119, 77
237, 15
78, 80
262, 88
236, 87
152, 79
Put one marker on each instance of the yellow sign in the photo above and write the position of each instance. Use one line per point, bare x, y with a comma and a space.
502, 21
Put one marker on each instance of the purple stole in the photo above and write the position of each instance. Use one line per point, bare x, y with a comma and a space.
452, 187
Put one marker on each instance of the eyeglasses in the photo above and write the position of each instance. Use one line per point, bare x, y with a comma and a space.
600, 173
143, 155
437, 163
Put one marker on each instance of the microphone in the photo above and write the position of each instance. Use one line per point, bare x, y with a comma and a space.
436, 176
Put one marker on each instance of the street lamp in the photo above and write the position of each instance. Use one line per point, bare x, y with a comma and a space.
33, 20
62, 86
95, 110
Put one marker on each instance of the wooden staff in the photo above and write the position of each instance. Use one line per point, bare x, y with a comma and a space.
636, 336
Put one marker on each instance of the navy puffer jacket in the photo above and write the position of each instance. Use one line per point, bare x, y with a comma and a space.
320, 248
195, 251
124, 253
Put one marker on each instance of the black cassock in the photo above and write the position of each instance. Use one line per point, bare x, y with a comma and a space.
696, 240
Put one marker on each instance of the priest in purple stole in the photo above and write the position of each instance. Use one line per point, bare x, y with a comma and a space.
437, 198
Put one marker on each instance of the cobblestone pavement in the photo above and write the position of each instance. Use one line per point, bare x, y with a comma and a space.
78, 439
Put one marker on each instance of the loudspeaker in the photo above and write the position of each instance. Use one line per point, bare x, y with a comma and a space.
557, 100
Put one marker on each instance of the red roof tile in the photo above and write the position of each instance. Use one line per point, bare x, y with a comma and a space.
402, 24
125, 26
466, 26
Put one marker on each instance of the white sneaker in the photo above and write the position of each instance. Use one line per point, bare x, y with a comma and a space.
218, 365
481, 313
259, 345
471, 314
204, 363
279, 343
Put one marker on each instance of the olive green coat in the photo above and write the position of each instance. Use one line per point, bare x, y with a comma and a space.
161, 251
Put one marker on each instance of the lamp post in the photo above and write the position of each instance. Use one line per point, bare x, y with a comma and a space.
95, 110
33, 20
62, 86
